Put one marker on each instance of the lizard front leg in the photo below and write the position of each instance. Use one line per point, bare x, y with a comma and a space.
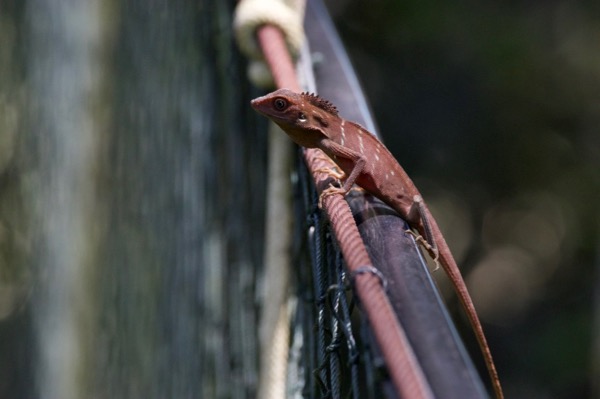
336, 174
337, 152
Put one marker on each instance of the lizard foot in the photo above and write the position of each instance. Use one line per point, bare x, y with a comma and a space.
433, 252
331, 190
320, 156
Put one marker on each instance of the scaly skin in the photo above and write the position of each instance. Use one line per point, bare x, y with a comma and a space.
312, 122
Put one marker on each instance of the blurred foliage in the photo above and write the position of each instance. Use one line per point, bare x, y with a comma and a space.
493, 108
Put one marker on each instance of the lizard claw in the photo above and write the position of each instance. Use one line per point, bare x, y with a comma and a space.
331, 190
433, 252
332, 172
435, 256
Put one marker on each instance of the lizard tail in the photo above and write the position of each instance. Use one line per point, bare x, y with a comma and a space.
453, 272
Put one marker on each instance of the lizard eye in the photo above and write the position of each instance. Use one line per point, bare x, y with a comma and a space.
302, 117
280, 104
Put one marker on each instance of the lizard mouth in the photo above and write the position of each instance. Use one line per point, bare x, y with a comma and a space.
256, 104
260, 107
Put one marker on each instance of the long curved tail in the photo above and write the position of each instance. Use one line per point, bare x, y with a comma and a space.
449, 264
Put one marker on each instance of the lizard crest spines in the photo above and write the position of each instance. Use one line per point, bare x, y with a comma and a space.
320, 102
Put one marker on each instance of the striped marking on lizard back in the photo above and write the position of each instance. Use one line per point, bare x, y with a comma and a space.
377, 153
360, 142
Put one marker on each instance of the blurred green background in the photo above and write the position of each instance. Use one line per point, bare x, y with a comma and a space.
494, 109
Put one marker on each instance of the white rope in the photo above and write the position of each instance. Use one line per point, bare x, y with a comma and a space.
287, 15
274, 359
274, 321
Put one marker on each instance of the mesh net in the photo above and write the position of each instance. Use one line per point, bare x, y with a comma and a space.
332, 354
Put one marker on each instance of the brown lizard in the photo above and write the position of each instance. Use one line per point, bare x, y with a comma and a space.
313, 122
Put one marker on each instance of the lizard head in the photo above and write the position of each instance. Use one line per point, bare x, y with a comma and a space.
303, 116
